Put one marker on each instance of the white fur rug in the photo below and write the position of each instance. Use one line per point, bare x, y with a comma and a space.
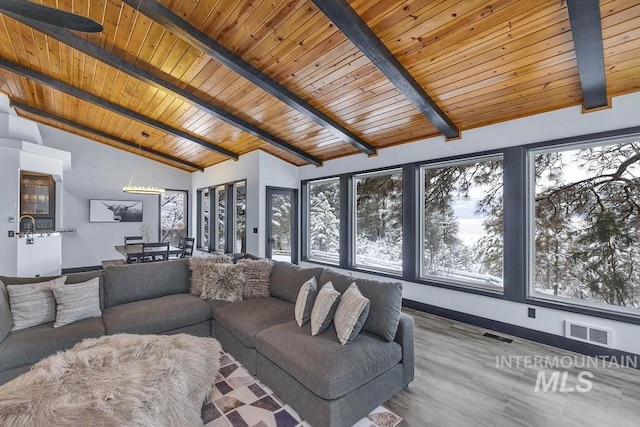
116, 380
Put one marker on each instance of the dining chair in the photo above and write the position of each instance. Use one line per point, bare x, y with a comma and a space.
181, 242
187, 250
133, 240
157, 251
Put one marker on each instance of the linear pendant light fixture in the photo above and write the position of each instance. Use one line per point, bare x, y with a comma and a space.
139, 189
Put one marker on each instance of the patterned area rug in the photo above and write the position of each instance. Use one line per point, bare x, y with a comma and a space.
240, 400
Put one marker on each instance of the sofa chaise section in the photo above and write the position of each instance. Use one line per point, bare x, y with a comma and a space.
236, 325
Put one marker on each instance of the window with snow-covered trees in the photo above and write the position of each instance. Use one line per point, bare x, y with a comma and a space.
461, 222
586, 223
203, 230
220, 227
378, 221
239, 223
173, 216
323, 231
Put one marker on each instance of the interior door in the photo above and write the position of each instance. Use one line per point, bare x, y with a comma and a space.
282, 224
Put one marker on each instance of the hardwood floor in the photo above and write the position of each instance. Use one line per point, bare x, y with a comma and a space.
464, 379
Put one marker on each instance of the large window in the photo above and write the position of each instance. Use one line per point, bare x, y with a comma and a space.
553, 224
587, 225
378, 221
461, 222
173, 216
323, 231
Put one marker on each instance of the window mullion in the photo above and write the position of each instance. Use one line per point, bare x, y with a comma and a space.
410, 222
515, 223
346, 221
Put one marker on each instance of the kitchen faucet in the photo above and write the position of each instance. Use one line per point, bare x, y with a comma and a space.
33, 222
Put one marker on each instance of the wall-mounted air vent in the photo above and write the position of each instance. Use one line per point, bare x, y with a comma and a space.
588, 333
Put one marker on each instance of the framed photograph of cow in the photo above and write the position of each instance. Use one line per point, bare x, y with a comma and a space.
115, 210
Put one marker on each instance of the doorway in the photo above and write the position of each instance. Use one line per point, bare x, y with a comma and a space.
282, 224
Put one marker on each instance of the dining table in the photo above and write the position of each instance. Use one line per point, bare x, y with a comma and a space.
133, 251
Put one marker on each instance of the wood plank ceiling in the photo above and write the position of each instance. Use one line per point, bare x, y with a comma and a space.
481, 62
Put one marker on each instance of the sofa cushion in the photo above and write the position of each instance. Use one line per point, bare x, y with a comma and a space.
76, 301
350, 314
6, 321
246, 318
28, 346
33, 303
134, 282
215, 304
321, 363
287, 279
385, 301
156, 315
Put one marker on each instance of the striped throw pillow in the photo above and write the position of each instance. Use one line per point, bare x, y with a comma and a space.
77, 301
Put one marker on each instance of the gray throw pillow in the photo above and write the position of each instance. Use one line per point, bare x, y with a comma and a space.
33, 304
306, 298
324, 308
201, 269
256, 277
77, 301
350, 314
223, 282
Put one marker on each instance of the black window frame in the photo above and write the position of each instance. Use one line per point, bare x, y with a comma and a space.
517, 238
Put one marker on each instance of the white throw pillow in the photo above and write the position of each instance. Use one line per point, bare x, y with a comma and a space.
77, 301
324, 308
305, 300
351, 314
33, 303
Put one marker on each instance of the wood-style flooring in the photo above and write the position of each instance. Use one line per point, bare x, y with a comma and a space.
463, 379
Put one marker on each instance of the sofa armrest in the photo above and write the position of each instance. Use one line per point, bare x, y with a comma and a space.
405, 337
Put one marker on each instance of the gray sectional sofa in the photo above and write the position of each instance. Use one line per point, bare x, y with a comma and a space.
329, 384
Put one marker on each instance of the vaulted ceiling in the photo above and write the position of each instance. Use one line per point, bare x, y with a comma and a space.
309, 81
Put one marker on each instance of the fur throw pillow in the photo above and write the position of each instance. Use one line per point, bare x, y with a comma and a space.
257, 274
201, 270
223, 282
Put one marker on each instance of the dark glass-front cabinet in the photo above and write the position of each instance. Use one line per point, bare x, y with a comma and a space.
37, 201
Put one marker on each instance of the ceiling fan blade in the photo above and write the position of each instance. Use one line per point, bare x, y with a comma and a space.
49, 15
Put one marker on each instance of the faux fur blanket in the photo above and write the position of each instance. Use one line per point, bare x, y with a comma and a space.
116, 380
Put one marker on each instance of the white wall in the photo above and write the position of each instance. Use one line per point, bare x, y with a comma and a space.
246, 168
99, 171
543, 127
9, 197
259, 169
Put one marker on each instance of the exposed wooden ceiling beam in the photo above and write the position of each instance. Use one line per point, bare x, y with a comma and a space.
50, 116
197, 38
118, 109
352, 25
586, 29
102, 55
